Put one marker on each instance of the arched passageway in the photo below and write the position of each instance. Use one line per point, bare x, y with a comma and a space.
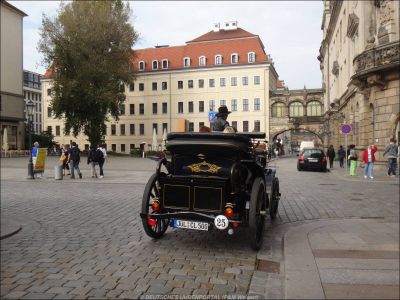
288, 141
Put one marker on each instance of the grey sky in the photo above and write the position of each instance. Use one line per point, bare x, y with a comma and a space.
290, 30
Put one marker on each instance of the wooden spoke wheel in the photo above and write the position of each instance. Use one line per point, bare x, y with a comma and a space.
256, 218
274, 199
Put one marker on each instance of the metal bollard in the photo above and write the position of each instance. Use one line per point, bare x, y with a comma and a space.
58, 172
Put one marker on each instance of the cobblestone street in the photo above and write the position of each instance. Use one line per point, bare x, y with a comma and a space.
84, 238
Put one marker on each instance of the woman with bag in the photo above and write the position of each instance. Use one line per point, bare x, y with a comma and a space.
64, 158
353, 160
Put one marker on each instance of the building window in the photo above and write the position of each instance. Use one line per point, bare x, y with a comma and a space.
132, 129
49, 112
180, 84
141, 109
245, 80
48, 92
154, 86
180, 107
154, 108
132, 87
234, 105
164, 85
122, 147
58, 130
222, 102
257, 126
190, 84
190, 104
201, 124
201, 83
141, 65
234, 81
245, 126
256, 103
141, 129
122, 129
113, 130
165, 63
212, 105
141, 87
296, 109
211, 82
164, 107
155, 127
122, 88
155, 65
201, 106
314, 108
218, 59
165, 127
131, 109
251, 57
234, 125
131, 146
278, 110
202, 61
114, 147
191, 127
122, 109
256, 80
245, 104
234, 58
222, 81
186, 62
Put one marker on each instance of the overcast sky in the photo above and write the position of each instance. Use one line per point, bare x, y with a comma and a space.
290, 30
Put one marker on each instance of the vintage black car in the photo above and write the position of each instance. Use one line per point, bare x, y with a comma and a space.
211, 180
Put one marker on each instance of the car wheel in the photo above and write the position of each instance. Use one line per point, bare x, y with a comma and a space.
152, 191
274, 202
256, 218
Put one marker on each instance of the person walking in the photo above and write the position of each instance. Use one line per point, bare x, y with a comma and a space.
342, 155
220, 123
102, 154
353, 160
74, 158
368, 157
331, 156
392, 150
64, 158
92, 160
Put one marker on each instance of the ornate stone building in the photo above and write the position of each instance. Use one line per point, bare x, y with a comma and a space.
359, 58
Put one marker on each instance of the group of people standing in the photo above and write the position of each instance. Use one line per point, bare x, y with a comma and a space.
71, 157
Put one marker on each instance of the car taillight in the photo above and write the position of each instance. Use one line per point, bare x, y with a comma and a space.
229, 212
155, 205
301, 157
323, 159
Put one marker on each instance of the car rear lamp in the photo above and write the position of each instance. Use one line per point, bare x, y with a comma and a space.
301, 157
155, 205
323, 159
229, 212
151, 222
235, 224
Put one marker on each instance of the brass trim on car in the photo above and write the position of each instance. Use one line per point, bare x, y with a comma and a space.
204, 167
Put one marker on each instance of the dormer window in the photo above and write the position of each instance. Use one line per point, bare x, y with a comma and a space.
155, 64
165, 63
251, 57
218, 59
186, 62
234, 58
202, 61
141, 65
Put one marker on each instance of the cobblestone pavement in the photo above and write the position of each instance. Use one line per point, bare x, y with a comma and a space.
83, 239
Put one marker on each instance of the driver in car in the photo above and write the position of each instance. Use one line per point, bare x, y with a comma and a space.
220, 123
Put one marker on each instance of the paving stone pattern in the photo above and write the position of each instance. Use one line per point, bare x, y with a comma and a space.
84, 239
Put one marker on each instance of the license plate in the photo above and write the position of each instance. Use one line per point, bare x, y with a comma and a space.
313, 160
190, 225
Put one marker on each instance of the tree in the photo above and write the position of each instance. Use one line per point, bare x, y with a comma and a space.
88, 47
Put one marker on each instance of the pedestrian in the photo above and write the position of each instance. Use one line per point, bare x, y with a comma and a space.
368, 157
74, 158
64, 159
205, 129
392, 150
331, 156
342, 155
93, 160
35, 152
220, 123
102, 155
353, 160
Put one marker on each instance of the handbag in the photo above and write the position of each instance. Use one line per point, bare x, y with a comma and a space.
62, 157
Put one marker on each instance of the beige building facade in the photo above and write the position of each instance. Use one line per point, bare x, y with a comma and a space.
11, 92
359, 58
181, 84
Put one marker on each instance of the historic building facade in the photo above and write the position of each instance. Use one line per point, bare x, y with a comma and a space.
11, 89
177, 86
359, 58
33, 92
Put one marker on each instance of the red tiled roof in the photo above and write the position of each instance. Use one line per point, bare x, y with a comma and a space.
48, 74
222, 35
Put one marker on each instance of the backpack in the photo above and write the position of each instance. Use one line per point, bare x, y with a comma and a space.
98, 155
74, 153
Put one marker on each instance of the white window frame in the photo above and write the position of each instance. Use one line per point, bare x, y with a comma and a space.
184, 62
152, 64
218, 56
162, 63
249, 55
205, 61
237, 58
144, 65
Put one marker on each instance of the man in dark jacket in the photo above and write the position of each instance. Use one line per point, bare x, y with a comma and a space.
220, 123
331, 155
74, 158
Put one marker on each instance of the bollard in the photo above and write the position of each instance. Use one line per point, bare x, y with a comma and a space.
58, 172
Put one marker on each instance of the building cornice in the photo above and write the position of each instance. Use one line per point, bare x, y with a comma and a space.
337, 5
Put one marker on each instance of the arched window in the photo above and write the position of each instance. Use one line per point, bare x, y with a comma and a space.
155, 64
186, 62
218, 59
141, 65
278, 110
202, 60
234, 58
251, 57
296, 109
314, 108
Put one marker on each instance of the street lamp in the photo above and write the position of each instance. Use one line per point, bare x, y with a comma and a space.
30, 107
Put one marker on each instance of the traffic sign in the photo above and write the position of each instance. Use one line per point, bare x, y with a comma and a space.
345, 129
211, 116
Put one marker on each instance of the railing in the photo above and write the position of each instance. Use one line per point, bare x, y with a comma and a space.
306, 120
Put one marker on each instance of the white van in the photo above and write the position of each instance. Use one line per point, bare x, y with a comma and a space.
306, 144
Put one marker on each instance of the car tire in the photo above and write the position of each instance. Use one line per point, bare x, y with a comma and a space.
274, 199
256, 219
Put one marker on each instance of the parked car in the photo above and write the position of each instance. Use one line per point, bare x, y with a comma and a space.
312, 159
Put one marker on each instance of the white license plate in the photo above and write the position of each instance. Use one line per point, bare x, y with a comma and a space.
313, 160
190, 225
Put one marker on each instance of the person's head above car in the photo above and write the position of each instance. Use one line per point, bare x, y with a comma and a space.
223, 112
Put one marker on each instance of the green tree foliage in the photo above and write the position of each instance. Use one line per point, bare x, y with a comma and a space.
88, 46
45, 139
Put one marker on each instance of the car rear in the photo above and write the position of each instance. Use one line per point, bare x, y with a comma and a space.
312, 159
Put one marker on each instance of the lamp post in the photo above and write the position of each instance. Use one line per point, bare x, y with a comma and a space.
30, 106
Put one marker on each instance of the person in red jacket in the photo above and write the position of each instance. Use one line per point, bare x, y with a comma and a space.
368, 157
